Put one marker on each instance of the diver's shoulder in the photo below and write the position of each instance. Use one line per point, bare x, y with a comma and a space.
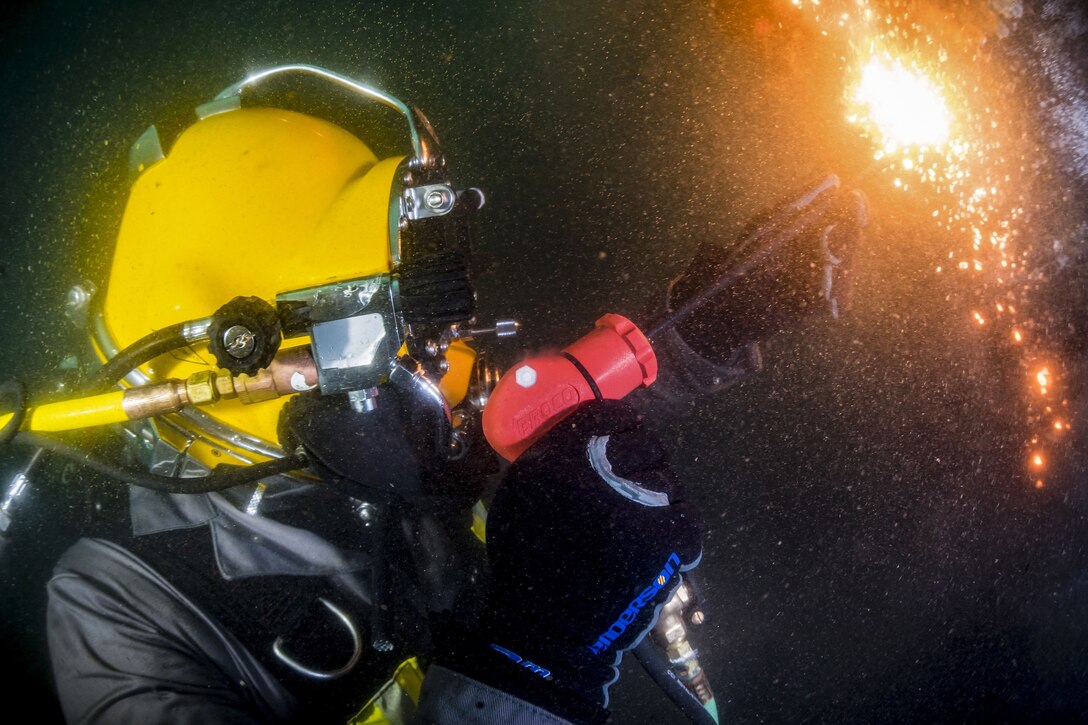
107, 569
91, 555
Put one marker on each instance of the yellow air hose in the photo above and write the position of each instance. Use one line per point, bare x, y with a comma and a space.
72, 414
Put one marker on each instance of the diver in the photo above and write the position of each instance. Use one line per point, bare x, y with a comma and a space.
327, 598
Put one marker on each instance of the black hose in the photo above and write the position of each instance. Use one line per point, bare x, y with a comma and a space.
144, 350
657, 666
223, 476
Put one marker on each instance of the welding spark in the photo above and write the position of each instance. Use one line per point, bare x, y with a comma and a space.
945, 127
905, 106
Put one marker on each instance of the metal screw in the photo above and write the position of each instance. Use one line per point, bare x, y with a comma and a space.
438, 200
239, 341
366, 512
78, 297
78, 301
363, 401
444, 365
525, 376
402, 223
697, 617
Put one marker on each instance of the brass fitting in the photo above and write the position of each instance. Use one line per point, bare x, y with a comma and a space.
149, 400
292, 371
255, 388
201, 388
224, 383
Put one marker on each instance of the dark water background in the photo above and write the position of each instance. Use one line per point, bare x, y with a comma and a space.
875, 552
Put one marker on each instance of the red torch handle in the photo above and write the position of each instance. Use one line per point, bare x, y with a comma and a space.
533, 396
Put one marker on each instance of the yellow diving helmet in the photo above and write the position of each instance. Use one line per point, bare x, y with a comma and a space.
301, 228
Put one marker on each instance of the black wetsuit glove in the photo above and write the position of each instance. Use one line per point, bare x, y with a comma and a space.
586, 538
797, 259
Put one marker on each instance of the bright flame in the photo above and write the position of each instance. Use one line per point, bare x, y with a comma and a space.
1037, 460
906, 107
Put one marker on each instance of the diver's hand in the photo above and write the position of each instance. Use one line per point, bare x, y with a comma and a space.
804, 252
586, 537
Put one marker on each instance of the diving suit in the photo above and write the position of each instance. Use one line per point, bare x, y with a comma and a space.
326, 601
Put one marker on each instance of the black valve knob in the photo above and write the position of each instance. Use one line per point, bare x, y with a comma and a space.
244, 335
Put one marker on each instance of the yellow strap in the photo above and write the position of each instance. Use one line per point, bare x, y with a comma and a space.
395, 702
479, 521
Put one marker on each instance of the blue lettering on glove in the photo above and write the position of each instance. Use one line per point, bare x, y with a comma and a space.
628, 615
534, 668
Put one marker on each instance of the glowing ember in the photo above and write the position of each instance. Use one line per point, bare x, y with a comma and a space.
1037, 460
1043, 378
905, 106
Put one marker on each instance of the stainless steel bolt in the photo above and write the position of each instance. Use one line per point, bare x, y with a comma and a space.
78, 297
366, 512
363, 401
438, 200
